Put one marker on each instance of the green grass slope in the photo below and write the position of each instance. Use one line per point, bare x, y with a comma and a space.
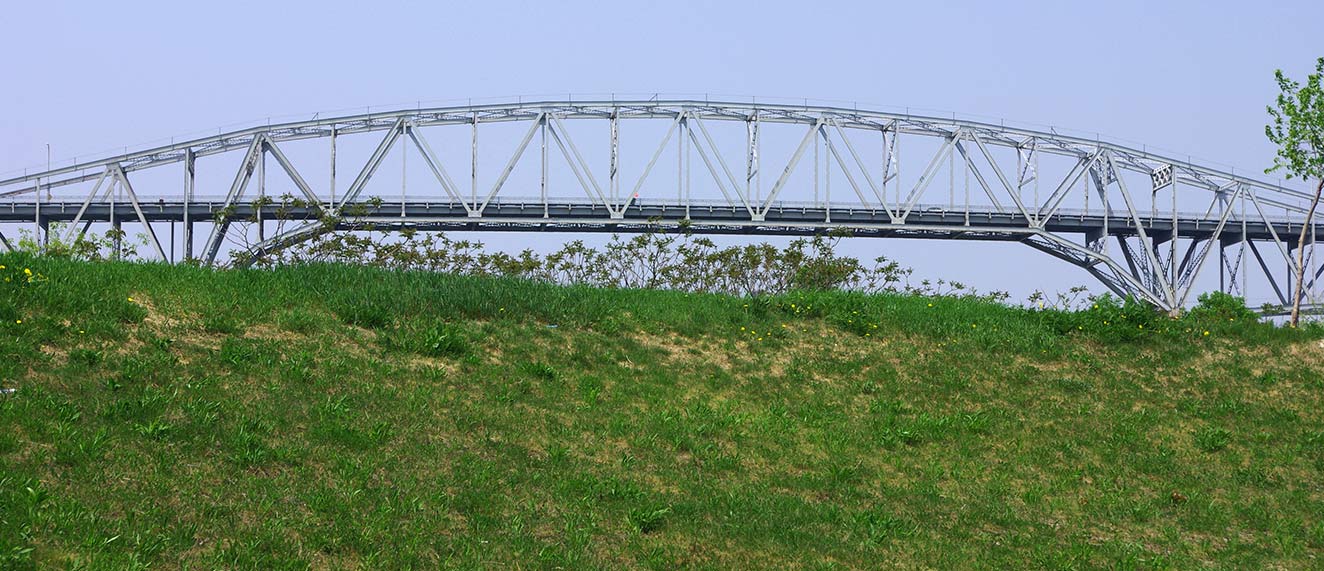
346, 418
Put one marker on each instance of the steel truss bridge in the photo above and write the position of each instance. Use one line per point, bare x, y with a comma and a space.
1143, 224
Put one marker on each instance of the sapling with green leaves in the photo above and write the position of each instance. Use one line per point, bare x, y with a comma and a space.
1298, 130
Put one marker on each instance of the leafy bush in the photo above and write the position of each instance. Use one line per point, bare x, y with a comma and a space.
1219, 306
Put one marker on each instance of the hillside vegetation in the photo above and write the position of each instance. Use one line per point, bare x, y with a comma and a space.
336, 417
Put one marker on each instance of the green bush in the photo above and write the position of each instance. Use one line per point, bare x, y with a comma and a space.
1220, 306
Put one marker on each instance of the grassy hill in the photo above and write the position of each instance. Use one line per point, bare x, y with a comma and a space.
331, 417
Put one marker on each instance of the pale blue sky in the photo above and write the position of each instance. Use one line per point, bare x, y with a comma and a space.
1189, 76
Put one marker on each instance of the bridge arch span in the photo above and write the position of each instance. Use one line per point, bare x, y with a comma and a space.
1143, 224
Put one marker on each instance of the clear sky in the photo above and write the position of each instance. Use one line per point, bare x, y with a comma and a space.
1189, 76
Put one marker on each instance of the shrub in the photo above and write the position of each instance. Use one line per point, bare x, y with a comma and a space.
1216, 305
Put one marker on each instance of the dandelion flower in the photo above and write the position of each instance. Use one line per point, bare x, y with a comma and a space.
18, 321
742, 328
27, 272
1206, 333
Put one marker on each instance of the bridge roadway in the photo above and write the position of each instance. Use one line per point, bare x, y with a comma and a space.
705, 217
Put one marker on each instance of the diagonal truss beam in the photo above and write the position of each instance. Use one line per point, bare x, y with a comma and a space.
735, 184
1169, 294
577, 164
634, 194
69, 233
790, 167
859, 163
374, 161
850, 179
435, 165
118, 172
510, 165
245, 173
1187, 278
313, 201
1002, 178
925, 179
1054, 201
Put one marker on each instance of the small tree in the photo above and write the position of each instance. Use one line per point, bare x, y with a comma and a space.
1298, 130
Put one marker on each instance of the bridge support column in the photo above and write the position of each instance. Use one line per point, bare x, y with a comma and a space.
189, 161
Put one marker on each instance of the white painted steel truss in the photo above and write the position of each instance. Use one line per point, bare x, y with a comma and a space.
1080, 200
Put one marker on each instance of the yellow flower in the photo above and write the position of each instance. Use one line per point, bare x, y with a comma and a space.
930, 305
27, 272
760, 338
130, 300
2, 266
972, 326
742, 328
18, 321
1206, 333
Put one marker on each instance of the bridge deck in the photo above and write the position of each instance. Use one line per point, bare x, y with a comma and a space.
925, 220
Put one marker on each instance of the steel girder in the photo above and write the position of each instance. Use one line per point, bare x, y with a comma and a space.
1157, 256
